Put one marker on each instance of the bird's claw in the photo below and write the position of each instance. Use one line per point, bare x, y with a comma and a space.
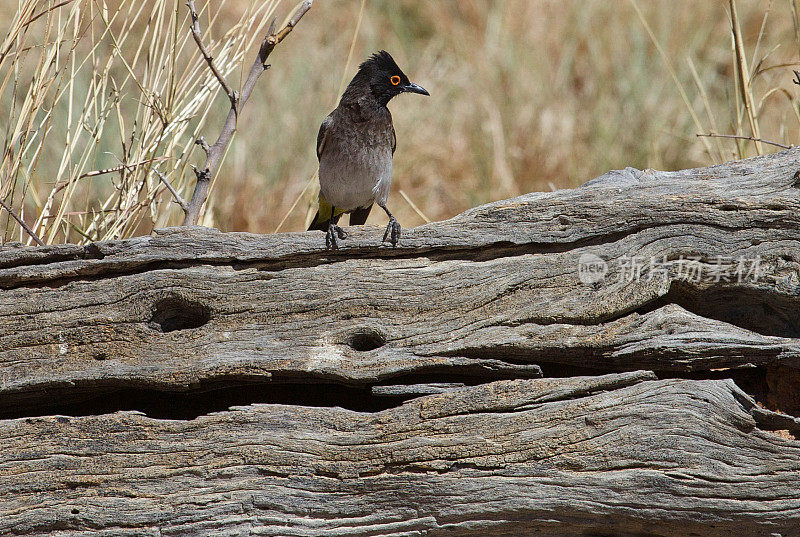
330, 236
392, 231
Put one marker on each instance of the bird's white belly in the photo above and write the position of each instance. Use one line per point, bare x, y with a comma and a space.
349, 181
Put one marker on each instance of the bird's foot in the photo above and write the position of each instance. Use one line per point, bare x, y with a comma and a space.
392, 231
330, 236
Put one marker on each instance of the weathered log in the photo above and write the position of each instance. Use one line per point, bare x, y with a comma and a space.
692, 275
607, 455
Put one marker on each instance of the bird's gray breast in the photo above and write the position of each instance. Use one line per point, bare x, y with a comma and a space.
355, 167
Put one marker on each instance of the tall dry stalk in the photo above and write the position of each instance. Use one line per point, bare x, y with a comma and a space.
743, 103
113, 91
745, 88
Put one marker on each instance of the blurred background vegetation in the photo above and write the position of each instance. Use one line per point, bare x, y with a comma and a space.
526, 95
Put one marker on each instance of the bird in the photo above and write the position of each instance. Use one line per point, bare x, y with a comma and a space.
355, 147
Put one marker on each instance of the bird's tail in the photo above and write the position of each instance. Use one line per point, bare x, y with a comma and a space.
318, 223
323, 216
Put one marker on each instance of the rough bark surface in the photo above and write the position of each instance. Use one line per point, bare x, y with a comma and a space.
660, 411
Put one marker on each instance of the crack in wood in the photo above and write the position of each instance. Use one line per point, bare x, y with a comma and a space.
215, 394
272, 462
106, 262
762, 311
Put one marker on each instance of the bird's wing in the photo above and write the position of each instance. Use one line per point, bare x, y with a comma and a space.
394, 140
322, 136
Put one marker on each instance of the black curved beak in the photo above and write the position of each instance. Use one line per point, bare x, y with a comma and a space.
414, 88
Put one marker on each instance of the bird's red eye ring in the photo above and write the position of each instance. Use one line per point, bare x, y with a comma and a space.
395, 80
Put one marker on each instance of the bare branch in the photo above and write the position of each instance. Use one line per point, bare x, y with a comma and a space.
202, 143
293, 21
739, 137
198, 38
178, 199
215, 152
22, 224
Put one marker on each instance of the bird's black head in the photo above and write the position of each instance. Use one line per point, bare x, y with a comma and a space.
384, 78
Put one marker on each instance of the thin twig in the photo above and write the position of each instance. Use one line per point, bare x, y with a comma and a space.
739, 137
343, 80
414, 206
216, 152
202, 143
82, 213
741, 69
198, 38
296, 201
22, 224
671, 70
121, 167
178, 199
95, 173
45, 12
292, 23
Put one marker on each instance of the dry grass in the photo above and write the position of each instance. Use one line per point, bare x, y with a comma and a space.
526, 95
98, 96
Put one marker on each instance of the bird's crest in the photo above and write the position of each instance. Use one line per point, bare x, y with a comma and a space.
382, 61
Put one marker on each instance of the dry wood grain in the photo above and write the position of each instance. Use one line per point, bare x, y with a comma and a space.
460, 305
608, 455
496, 287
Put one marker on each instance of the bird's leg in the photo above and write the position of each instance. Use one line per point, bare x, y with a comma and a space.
392, 228
333, 231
